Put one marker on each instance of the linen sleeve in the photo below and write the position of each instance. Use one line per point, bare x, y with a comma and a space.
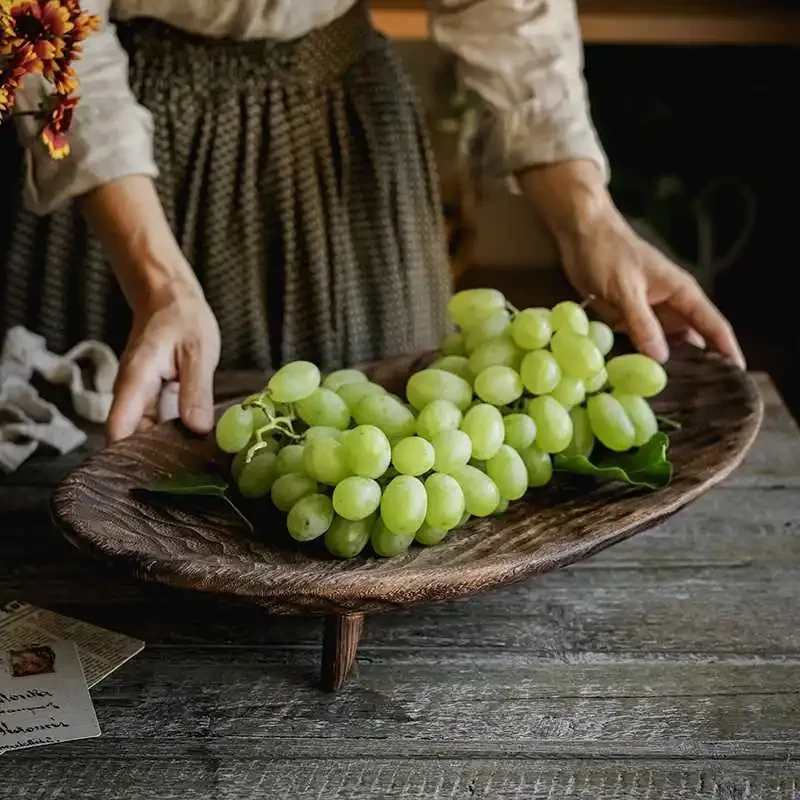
524, 59
111, 134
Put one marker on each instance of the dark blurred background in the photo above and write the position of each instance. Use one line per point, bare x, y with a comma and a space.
695, 104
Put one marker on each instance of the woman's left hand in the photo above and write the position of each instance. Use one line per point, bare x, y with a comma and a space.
635, 287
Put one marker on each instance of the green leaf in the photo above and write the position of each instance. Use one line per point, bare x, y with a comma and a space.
189, 483
647, 466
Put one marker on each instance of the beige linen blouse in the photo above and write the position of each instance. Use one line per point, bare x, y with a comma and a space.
522, 57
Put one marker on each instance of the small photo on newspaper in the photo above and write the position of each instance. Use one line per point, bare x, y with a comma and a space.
23, 627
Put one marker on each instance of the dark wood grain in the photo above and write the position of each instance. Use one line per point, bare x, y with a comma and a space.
201, 545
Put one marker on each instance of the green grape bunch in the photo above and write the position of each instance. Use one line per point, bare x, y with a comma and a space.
509, 392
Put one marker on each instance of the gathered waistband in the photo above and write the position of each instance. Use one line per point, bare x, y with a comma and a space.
214, 64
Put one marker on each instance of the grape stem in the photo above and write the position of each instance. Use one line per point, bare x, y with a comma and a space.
281, 424
589, 300
513, 309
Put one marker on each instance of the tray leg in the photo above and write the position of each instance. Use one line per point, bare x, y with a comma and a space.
339, 647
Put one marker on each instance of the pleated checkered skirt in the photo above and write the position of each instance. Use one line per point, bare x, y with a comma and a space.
300, 184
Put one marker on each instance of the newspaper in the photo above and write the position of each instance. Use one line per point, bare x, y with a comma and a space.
101, 651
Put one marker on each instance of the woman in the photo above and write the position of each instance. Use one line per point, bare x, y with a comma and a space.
257, 173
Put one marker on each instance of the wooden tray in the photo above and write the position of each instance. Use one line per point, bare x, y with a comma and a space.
199, 544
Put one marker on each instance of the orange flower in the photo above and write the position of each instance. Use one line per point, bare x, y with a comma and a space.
55, 30
57, 125
16, 68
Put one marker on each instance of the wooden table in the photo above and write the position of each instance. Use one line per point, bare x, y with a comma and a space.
666, 667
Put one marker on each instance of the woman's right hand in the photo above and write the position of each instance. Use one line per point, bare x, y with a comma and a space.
174, 337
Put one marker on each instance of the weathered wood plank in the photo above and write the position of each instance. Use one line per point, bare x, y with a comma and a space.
661, 708
196, 771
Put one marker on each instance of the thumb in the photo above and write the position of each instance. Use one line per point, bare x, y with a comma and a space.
643, 326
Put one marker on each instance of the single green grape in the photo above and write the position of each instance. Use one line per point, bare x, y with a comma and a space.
323, 432
355, 497
234, 429
582, 442
310, 517
324, 460
502, 506
341, 377
569, 316
569, 391
440, 415
404, 504
636, 373
270, 445
353, 393
367, 451
294, 381
498, 385
640, 414
347, 538
484, 426
452, 450
507, 469
453, 345
467, 307
553, 424
610, 423
458, 365
520, 431
386, 543
435, 384
413, 456
445, 501
290, 459
324, 407
602, 336
576, 355
288, 489
481, 494
485, 329
597, 382
501, 350
256, 478
538, 464
429, 536
531, 329
540, 372
388, 414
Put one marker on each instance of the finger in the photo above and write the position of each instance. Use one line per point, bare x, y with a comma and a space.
168, 402
196, 364
692, 337
136, 388
675, 327
644, 328
691, 302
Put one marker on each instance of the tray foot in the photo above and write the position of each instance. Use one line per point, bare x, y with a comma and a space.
339, 647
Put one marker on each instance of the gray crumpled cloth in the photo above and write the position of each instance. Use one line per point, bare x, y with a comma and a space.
26, 419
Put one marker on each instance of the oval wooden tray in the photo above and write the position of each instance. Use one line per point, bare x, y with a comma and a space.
198, 543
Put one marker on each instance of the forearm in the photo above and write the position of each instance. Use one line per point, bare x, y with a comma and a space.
570, 196
127, 217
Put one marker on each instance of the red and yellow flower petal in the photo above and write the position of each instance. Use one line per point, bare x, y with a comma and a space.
56, 143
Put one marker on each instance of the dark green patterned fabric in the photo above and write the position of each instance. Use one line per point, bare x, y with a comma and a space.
300, 183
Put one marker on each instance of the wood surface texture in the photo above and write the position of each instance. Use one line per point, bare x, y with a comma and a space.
205, 546
666, 667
